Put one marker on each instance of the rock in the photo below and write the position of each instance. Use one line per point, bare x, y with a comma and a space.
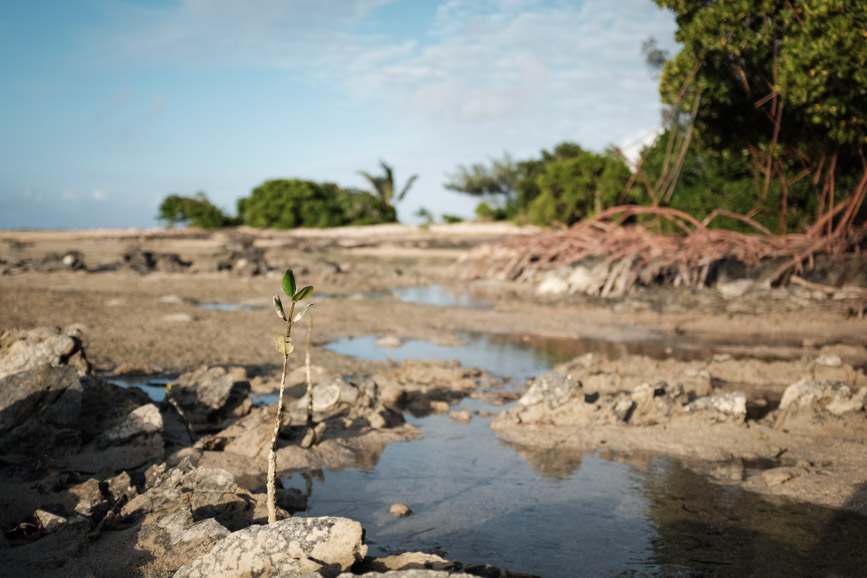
734, 289
314, 435
23, 350
289, 547
389, 342
145, 419
178, 536
407, 561
425, 573
400, 510
732, 405
829, 360
553, 285
777, 476
462, 416
90, 501
40, 412
553, 388
213, 394
179, 318
208, 492
241, 258
589, 280
622, 410
843, 400
801, 394
144, 262
438, 406
49, 522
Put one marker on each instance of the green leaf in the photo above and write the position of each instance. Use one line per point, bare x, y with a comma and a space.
289, 283
298, 316
303, 293
278, 307
283, 345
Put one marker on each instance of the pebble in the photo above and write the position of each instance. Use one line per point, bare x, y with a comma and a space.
400, 510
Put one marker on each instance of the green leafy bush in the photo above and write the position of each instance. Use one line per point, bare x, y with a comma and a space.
197, 211
574, 188
290, 203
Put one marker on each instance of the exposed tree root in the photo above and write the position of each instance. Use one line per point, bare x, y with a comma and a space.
636, 256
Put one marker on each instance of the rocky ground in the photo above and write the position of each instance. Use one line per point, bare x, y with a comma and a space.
101, 480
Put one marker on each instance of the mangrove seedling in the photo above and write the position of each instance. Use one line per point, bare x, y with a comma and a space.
283, 344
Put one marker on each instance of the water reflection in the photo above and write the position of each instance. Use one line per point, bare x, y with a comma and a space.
550, 512
155, 387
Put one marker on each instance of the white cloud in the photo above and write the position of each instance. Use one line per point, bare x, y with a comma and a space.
261, 33
98, 195
69, 195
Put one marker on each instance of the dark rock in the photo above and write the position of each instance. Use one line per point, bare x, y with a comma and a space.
40, 412
213, 394
141, 261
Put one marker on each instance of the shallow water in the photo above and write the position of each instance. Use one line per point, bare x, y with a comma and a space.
556, 513
155, 387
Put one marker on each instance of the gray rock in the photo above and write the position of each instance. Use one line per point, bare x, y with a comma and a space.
589, 280
213, 393
289, 547
208, 492
24, 350
178, 536
143, 420
40, 412
622, 410
554, 388
730, 406
801, 394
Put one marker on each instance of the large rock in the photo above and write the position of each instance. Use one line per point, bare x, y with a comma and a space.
728, 407
553, 389
40, 412
327, 546
213, 394
206, 492
21, 350
142, 261
810, 397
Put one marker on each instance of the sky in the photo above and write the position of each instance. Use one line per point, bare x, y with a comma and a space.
108, 106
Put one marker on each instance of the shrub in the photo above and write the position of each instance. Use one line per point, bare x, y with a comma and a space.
197, 211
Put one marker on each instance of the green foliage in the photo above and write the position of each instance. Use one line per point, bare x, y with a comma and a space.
384, 185
785, 82
452, 218
362, 208
286, 204
576, 187
197, 211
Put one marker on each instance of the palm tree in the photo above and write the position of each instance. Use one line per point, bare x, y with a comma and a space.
383, 185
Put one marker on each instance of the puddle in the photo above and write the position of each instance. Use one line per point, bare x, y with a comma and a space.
522, 356
155, 387
551, 513
441, 296
231, 307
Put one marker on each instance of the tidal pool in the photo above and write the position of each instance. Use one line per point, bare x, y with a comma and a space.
561, 514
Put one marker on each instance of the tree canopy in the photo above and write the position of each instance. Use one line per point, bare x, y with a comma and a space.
197, 211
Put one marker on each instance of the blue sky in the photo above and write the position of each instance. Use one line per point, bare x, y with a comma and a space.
108, 106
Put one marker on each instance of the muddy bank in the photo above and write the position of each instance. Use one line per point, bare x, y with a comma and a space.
736, 421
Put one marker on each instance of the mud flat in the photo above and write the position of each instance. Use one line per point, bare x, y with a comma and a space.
759, 391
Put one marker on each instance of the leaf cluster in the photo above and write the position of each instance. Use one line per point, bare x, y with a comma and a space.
290, 203
197, 211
